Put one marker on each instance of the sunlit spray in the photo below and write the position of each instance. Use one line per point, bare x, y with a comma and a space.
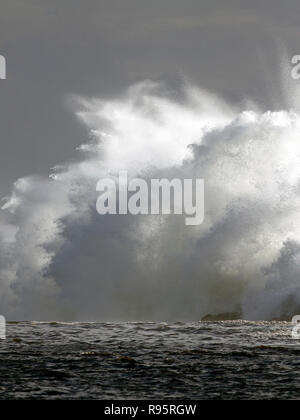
60, 259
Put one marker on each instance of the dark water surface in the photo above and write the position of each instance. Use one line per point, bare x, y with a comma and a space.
200, 360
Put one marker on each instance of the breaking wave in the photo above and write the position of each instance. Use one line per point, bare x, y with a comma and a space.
60, 260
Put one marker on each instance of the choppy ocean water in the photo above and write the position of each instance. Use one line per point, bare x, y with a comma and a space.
200, 360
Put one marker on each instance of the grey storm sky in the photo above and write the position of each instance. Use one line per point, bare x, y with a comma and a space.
100, 47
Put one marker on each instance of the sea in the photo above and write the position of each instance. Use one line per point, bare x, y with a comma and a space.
226, 360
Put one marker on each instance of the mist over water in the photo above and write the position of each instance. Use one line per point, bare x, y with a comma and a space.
60, 260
